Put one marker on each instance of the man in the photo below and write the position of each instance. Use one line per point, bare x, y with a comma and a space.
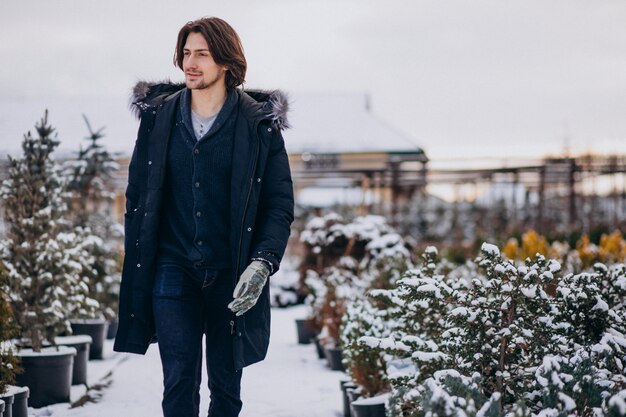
209, 205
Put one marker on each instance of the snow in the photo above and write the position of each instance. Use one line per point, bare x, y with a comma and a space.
490, 249
568, 403
619, 401
73, 340
353, 127
530, 292
49, 351
428, 356
446, 372
378, 399
600, 304
291, 381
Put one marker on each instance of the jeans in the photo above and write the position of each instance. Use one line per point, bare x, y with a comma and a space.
188, 303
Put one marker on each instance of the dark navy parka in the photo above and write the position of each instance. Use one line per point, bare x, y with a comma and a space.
261, 205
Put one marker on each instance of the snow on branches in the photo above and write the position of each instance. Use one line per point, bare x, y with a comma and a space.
510, 338
44, 258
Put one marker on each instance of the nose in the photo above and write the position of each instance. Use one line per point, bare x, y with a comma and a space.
190, 62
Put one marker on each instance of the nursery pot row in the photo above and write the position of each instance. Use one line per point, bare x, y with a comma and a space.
355, 406
333, 357
82, 345
305, 332
15, 402
47, 374
112, 329
97, 329
368, 407
319, 348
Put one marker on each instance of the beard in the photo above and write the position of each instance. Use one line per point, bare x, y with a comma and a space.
203, 84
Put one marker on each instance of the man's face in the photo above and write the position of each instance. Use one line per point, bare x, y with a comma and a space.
201, 71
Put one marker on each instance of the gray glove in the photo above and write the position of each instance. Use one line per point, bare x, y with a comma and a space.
249, 287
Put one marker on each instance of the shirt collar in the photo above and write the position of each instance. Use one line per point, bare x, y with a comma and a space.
225, 111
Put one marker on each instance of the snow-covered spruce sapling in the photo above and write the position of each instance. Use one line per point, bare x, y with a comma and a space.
322, 249
586, 383
416, 308
92, 195
348, 278
586, 376
42, 255
448, 393
315, 300
321, 244
91, 179
612, 284
498, 328
342, 286
582, 310
387, 259
362, 327
9, 363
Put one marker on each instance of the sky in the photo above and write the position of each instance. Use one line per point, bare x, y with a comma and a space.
461, 79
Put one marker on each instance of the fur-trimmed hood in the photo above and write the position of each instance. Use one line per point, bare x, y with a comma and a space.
271, 104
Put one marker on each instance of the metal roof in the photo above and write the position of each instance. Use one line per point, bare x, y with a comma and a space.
340, 123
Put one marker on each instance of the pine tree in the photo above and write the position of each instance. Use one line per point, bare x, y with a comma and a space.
362, 327
91, 177
9, 364
416, 309
42, 255
518, 341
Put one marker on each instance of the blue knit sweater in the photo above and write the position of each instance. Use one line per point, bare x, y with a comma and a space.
194, 227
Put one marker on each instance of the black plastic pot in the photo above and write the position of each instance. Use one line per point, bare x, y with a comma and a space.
81, 343
20, 401
305, 333
112, 329
345, 385
8, 399
353, 394
368, 410
333, 356
97, 329
47, 374
319, 348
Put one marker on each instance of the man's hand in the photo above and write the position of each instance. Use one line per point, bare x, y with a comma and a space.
249, 287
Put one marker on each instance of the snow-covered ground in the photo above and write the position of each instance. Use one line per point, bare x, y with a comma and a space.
291, 382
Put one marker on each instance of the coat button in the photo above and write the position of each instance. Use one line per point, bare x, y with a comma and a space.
197, 185
258, 180
149, 162
198, 213
249, 229
196, 151
132, 315
239, 334
269, 129
138, 265
199, 243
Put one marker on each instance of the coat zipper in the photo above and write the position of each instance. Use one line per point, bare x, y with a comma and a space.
245, 209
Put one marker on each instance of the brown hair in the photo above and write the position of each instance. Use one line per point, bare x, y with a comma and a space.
224, 45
